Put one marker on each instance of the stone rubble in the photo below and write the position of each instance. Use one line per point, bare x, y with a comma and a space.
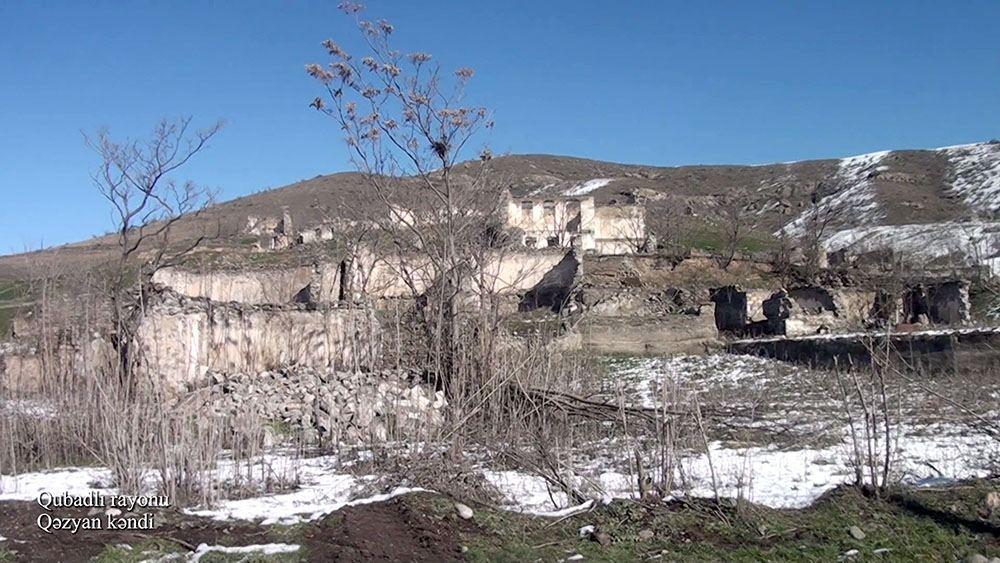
335, 406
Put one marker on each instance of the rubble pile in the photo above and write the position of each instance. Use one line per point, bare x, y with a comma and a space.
333, 406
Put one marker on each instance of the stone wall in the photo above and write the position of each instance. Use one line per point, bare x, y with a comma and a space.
948, 303
931, 352
400, 277
553, 289
183, 339
567, 221
619, 229
553, 221
812, 310
23, 368
732, 310
255, 287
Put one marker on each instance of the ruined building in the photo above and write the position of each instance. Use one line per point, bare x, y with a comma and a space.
575, 222
541, 222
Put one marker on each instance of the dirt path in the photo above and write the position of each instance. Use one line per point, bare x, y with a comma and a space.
389, 531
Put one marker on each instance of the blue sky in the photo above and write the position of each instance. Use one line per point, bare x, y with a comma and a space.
652, 82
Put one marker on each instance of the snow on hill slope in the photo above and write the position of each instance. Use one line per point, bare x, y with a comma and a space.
976, 175
853, 196
970, 243
856, 198
897, 187
953, 192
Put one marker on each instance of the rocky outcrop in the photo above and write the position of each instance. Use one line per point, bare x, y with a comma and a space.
333, 406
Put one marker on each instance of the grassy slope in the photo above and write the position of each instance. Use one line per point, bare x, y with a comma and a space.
911, 525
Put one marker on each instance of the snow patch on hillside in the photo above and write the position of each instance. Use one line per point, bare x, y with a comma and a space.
968, 244
588, 186
855, 197
975, 176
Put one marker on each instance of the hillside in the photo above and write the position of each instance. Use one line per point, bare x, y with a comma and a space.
888, 188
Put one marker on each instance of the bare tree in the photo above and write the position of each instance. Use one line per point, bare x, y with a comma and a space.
136, 178
632, 228
820, 219
408, 127
735, 220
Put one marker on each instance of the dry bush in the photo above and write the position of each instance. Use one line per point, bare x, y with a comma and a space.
82, 409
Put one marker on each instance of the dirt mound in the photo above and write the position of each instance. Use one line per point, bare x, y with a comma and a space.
391, 531
406, 528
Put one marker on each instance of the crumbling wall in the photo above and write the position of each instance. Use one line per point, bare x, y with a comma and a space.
260, 226
517, 272
731, 311
391, 276
182, 339
23, 368
20, 368
639, 302
948, 303
254, 287
813, 300
930, 352
553, 289
619, 229
811, 310
943, 303
394, 276
814, 310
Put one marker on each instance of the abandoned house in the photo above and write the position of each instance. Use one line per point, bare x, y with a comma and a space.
575, 222
811, 310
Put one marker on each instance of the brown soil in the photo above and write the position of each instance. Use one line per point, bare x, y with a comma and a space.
391, 531
401, 529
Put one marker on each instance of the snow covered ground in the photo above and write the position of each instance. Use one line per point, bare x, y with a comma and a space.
77, 481
811, 456
261, 549
324, 486
929, 447
642, 378
767, 475
770, 476
973, 178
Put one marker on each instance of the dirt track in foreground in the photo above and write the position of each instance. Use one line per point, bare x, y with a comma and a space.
388, 531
